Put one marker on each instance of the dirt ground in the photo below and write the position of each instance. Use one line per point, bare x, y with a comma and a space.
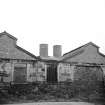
55, 103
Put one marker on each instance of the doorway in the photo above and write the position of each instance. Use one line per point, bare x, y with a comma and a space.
52, 73
20, 74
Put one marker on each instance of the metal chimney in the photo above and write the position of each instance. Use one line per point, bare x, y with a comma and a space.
57, 51
43, 50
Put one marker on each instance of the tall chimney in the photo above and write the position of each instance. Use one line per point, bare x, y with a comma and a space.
57, 51
43, 50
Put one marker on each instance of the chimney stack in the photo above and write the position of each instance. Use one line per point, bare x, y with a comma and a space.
57, 51
43, 50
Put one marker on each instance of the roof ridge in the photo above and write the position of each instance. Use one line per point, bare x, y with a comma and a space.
27, 52
81, 47
79, 52
9, 35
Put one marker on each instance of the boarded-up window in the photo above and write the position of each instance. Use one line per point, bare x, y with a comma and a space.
20, 73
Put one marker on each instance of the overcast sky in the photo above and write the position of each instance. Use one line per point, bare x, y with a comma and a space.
70, 23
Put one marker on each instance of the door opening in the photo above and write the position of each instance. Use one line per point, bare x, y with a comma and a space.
52, 73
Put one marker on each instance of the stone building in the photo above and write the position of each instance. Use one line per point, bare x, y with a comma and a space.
16, 62
22, 67
80, 60
88, 53
69, 66
49, 70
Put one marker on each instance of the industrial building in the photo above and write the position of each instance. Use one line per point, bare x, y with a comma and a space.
50, 62
83, 58
23, 67
66, 68
15, 61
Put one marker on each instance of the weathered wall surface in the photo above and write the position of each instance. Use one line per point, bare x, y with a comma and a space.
88, 73
65, 72
41, 72
12, 55
9, 49
9, 70
31, 72
7, 42
36, 72
7, 67
89, 55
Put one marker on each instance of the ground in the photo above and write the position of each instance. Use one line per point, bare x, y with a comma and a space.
67, 92
55, 103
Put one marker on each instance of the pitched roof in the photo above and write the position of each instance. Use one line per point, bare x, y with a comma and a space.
77, 51
15, 51
9, 35
25, 51
90, 43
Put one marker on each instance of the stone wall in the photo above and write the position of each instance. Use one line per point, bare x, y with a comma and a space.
88, 73
9, 70
31, 72
70, 72
7, 67
65, 72
41, 72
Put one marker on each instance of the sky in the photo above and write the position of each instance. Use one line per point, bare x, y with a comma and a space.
70, 23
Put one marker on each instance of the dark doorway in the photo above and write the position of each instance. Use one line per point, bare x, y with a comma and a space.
52, 73
20, 74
